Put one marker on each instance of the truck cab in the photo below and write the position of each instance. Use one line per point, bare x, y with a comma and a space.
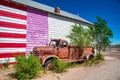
61, 46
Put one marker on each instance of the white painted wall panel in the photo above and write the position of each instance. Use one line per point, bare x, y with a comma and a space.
12, 30
12, 40
60, 27
13, 20
10, 50
4, 60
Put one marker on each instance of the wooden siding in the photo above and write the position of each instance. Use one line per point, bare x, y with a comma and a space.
60, 27
12, 32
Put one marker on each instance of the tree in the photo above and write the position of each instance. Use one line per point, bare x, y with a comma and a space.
101, 33
80, 36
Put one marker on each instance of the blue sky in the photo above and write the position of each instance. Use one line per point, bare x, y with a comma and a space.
108, 10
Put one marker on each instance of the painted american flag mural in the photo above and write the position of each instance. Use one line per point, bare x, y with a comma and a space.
13, 21
21, 29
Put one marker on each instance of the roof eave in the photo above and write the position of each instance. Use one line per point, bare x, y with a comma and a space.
49, 9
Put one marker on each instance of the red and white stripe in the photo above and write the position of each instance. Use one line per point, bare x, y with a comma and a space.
12, 32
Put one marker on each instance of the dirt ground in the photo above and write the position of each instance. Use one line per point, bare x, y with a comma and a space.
106, 70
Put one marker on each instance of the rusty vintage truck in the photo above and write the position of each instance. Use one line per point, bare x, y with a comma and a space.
58, 48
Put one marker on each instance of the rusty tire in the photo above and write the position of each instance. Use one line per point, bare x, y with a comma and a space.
48, 64
89, 57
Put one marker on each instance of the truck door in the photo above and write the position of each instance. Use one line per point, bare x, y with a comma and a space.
63, 50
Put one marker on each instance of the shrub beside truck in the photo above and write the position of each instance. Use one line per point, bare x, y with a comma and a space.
58, 48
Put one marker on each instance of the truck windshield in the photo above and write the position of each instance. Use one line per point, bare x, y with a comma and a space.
54, 43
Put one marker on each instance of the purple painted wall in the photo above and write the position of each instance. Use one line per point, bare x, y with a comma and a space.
37, 28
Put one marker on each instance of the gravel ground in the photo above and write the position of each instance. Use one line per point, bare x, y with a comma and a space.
106, 70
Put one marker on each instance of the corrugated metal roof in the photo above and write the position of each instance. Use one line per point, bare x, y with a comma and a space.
51, 10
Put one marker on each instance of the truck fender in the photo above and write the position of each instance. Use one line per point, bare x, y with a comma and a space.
47, 57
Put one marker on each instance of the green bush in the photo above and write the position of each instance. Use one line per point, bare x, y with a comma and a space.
59, 66
99, 57
27, 68
71, 65
95, 60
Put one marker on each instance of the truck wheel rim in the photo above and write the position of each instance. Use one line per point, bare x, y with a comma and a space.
49, 66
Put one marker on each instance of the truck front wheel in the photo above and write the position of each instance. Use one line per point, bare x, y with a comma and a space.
48, 64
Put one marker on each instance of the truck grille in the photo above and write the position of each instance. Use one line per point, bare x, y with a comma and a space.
36, 53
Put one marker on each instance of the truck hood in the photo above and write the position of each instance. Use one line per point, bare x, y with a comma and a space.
48, 48
44, 49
